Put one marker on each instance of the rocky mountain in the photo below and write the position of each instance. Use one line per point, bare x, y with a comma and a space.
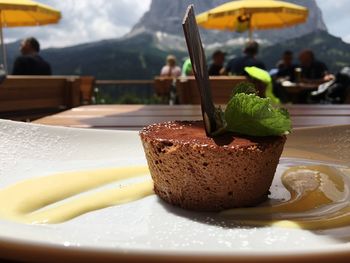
163, 20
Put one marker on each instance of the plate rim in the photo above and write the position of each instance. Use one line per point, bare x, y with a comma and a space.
34, 249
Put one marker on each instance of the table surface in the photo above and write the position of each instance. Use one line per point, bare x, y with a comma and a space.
134, 117
299, 87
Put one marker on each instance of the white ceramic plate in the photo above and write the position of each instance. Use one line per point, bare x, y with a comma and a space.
150, 230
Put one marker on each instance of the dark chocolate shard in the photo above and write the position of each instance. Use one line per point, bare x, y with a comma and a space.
211, 116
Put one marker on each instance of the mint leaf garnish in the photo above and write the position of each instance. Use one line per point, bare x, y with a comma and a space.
244, 87
251, 115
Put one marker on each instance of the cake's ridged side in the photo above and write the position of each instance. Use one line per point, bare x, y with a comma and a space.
198, 178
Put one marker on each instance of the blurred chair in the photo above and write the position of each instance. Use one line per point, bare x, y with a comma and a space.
26, 98
3, 74
336, 91
221, 87
162, 87
87, 84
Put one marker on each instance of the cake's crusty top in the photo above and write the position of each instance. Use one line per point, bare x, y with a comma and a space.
192, 132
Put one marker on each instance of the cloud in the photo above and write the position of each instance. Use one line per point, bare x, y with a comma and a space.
84, 21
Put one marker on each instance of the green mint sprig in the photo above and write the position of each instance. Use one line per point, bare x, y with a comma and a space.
248, 114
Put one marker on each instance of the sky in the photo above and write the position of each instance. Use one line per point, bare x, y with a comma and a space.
336, 17
91, 20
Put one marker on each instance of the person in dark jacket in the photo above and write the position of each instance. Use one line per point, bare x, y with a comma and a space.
286, 67
236, 66
218, 63
30, 62
313, 69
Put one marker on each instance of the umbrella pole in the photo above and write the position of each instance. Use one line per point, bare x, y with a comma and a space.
4, 58
250, 28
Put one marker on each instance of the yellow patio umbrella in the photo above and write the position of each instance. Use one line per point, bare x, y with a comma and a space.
16, 13
255, 14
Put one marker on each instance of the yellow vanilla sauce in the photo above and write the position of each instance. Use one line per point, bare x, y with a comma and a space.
38, 200
319, 197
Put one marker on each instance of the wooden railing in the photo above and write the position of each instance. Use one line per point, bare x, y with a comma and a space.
124, 82
121, 91
182, 90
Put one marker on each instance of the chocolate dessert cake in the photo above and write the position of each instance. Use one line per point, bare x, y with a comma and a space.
197, 172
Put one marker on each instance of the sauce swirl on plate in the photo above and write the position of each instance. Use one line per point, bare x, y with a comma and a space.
319, 197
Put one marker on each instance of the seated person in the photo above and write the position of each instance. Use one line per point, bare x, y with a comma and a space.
285, 71
30, 63
170, 69
285, 67
236, 66
312, 69
218, 63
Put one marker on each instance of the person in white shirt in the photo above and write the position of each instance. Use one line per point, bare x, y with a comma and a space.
170, 69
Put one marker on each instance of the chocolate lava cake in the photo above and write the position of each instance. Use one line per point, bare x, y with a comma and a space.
200, 173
